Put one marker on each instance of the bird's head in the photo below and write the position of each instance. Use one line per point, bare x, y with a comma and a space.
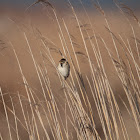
62, 62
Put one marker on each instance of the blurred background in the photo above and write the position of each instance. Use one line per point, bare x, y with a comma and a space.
106, 3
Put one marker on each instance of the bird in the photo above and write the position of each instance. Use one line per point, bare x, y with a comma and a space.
64, 68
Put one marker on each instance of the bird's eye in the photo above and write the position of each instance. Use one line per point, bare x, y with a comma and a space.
61, 64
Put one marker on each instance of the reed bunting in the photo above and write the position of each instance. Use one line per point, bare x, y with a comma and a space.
64, 68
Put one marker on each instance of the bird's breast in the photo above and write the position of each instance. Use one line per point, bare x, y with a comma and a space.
63, 70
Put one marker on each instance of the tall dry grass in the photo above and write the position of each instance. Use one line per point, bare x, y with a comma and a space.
85, 106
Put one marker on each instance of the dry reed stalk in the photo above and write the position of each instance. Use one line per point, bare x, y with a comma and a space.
6, 113
17, 131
